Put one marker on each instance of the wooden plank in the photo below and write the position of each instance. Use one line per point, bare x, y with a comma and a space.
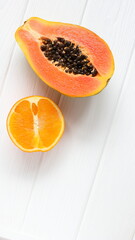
133, 237
11, 13
65, 178
55, 208
11, 235
90, 224
110, 213
18, 170
67, 173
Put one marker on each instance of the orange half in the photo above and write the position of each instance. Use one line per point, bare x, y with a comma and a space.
35, 124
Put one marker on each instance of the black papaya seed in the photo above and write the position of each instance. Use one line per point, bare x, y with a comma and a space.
65, 54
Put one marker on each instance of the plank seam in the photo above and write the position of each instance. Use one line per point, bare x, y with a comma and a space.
84, 9
12, 53
133, 236
105, 143
30, 195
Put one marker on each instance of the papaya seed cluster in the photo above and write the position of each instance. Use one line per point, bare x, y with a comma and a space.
65, 54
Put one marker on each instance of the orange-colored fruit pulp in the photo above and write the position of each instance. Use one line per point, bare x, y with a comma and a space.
35, 124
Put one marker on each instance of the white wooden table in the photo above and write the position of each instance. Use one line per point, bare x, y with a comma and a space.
83, 189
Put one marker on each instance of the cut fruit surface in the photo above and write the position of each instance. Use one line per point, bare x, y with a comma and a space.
69, 58
35, 124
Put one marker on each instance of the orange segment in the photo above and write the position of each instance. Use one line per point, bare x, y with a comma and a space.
35, 124
52, 124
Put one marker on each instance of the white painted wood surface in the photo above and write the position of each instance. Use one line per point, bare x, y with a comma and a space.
85, 187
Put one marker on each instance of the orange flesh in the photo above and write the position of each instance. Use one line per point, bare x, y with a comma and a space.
29, 38
49, 123
35, 125
22, 125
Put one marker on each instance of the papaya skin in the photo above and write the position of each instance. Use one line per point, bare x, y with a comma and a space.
28, 37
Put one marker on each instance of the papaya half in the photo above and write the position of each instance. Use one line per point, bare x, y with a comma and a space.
69, 58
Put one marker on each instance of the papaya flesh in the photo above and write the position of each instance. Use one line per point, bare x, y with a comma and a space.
69, 58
